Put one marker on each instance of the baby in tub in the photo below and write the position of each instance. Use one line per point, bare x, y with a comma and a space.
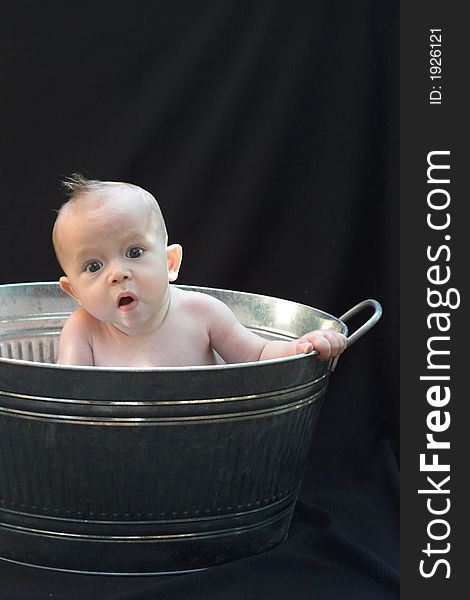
111, 241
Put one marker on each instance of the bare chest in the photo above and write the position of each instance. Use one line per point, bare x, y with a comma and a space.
183, 343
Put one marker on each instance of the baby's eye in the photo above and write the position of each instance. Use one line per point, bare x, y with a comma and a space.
93, 266
134, 252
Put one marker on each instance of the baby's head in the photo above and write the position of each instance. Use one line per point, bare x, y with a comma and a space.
102, 198
110, 237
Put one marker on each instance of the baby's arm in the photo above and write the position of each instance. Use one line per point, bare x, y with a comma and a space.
75, 341
235, 343
326, 342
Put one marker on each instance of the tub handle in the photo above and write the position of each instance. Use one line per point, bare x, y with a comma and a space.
364, 328
368, 324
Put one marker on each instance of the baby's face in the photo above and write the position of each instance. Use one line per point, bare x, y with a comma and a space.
117, 264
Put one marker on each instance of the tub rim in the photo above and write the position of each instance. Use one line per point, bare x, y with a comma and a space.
178, 369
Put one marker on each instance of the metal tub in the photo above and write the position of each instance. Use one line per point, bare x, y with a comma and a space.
144, 471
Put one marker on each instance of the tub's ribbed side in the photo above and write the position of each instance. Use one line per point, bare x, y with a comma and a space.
39, 348
186, 483
148, 469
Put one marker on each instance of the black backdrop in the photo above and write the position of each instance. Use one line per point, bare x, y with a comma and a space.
268, 131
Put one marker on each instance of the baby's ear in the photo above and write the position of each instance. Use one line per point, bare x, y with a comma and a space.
174, 255
67, 288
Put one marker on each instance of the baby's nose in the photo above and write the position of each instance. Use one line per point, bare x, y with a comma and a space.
119, 278
119, 273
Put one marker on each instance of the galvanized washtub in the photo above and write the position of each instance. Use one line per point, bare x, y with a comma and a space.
145, 471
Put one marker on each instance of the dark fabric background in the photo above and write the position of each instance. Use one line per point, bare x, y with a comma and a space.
268, 131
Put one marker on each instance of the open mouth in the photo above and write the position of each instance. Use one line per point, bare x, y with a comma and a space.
126, 302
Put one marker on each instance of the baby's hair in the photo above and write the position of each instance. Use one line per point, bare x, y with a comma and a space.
79, 189
76, 184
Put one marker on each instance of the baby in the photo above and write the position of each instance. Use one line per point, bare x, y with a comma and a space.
111, 241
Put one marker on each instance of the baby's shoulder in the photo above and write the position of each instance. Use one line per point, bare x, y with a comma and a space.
80, 322
196, 303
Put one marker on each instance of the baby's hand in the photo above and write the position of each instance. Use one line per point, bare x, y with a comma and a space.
328, 343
